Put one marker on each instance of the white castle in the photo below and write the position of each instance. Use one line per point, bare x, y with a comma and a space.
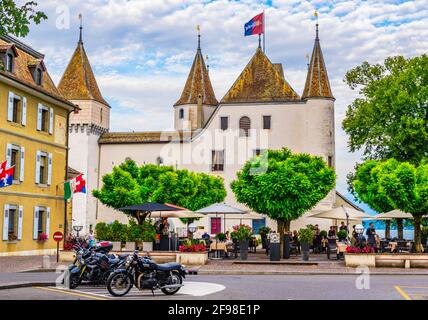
260, 111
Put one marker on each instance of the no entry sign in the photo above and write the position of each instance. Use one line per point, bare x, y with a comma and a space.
58, 236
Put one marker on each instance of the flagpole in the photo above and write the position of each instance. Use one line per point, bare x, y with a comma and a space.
264, 32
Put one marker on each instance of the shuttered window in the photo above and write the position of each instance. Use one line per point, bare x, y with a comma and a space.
244, 126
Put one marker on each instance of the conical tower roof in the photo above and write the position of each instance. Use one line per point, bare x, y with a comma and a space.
260, 81
198, 83
78, 81
317, 84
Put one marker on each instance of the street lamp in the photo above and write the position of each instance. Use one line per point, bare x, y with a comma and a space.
192, 229
77, 229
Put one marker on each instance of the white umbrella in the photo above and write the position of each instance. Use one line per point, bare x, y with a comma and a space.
393, 214
222, 208
343, 213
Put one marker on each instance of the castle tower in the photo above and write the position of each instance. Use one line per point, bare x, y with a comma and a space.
197, 101
320, 101
78, 84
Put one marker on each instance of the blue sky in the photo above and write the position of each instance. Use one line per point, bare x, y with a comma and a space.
141, 50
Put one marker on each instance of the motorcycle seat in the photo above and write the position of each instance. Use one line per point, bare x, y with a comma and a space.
168, 266
123, 256
113, 261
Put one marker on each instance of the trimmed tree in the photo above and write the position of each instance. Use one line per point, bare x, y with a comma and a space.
16, 19
402, 185
129, 184
283, 185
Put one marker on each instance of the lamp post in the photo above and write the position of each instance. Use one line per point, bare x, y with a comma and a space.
77, 229
192, 229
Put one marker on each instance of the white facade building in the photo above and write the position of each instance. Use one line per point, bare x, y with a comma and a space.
260, 111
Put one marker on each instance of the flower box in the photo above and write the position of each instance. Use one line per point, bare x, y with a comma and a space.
192, 258
360, 259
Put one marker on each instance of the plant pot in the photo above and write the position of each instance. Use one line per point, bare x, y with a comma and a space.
264, 241
243, 249
305, 250
147, 246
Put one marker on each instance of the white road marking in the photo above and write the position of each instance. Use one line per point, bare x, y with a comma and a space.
192, 288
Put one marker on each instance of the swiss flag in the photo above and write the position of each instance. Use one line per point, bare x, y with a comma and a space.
79, 184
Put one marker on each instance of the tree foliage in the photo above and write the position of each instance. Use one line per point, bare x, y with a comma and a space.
291, 185
390, 118
130, 184
395, 185
16, 19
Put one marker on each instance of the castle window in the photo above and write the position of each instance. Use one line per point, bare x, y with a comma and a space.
224, 123
266, 122
217, 162
244, 126
181, 114
9, 62
330, 161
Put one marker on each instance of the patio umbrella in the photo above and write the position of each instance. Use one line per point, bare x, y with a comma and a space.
146, 208
221, 208
393, 214
343, 213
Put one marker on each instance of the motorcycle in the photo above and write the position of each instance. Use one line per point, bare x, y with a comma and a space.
146, 274
94, 265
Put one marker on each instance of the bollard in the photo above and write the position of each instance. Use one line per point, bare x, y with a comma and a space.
46, 262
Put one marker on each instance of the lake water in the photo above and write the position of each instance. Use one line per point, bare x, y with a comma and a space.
407, 234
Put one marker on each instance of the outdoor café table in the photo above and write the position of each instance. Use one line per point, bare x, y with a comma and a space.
217, 247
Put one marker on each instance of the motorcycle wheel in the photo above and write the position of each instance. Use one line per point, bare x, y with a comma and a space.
174, 278
74, 281
119, 284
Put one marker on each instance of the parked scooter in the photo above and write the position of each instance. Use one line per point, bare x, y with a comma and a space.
144, 273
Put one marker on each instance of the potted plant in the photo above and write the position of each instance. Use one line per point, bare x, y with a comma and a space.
306, 238
42, 237
263, 232
243, 234
148, 236
342, 235
220, 236
323, 234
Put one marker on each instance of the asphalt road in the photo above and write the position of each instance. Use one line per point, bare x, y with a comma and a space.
287, 287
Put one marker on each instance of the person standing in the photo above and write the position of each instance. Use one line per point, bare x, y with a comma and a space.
91, 238
371, 235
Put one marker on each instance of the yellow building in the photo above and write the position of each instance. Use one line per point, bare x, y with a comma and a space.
33, 137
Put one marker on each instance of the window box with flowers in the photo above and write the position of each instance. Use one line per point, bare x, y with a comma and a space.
192, 254
42, 238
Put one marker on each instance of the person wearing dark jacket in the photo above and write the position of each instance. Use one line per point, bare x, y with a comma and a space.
371, 235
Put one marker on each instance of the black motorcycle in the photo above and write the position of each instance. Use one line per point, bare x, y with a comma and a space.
93, 266
145, 274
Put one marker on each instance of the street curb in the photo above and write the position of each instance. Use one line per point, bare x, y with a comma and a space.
26, 285
294, 273
37, 270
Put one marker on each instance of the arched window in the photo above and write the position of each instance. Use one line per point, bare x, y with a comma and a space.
9, 62
244, 126
181, 114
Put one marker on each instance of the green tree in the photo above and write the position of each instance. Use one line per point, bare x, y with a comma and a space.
16, 19
129, 184
283, 185
402, 185
390, 118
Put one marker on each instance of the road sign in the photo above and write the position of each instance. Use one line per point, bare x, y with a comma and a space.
58, 236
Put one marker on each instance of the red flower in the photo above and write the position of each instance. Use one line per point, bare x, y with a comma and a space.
192, 248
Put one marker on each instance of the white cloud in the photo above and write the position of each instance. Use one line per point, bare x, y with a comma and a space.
141, 51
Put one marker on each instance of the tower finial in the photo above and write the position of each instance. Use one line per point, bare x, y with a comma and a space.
198, 28
316, 26
81, 28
